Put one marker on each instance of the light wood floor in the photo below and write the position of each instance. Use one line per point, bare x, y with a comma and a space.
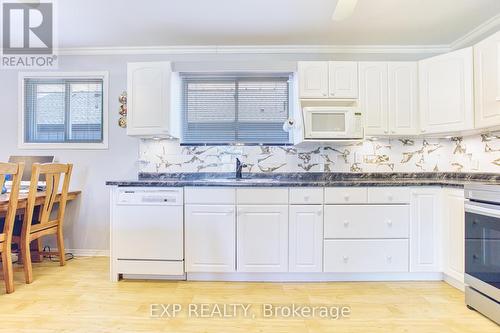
79, 298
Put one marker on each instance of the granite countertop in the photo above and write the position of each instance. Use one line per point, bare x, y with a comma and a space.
448, 179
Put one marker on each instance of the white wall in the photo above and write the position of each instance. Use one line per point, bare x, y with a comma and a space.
87, 226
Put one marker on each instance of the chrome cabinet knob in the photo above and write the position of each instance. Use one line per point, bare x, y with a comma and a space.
389, 223
345, 258
389, 258
346, 224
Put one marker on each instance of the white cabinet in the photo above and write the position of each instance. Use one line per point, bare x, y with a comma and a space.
313, 79
487, 82
328, 79
262, 238
388, 97
403, 98
210, 238
343, 79
366, 221
425, 230
366, 256
446, 92
453, 234
373, 95
306, 238
151, 99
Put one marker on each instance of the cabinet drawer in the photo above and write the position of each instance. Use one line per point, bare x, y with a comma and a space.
340, 195
367, 221
210, 195
262, 196
388, 195
306, 196
365, 256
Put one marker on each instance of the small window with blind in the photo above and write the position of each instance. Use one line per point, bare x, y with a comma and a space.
228, 110
64, 111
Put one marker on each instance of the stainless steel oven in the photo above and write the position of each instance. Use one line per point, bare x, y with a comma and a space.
482, 249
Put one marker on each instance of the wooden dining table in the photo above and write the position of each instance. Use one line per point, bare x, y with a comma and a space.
23, 198
21, 206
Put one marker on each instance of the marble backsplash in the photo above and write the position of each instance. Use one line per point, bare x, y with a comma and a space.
477, 153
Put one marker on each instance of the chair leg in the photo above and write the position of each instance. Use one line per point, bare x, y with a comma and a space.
26, 254
7, 270
60, 246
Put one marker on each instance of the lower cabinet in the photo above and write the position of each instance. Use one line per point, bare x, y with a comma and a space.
425, 230
262, 238
306, 238
453, 234
210, 238
366, 255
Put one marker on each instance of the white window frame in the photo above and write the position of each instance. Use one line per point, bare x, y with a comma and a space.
104, 75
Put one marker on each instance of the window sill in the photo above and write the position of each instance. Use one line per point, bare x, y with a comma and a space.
64, 146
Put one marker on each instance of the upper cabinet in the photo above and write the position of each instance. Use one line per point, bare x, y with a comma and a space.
373, 95
389, 97
343, 79
487, 82
446, 92
403, 98
313, 79
151, 100
328, 79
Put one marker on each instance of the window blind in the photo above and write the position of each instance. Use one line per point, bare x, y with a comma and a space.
58, 110
235, 110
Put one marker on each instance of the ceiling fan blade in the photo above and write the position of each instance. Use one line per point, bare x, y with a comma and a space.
344, 9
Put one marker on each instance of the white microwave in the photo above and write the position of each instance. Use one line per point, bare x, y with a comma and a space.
333, 123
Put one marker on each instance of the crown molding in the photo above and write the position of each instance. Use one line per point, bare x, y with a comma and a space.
466, 40
478, 32
258, 49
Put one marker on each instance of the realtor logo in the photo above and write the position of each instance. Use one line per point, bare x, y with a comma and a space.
27, 34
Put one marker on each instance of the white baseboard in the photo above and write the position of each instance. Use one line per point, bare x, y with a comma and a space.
86, 252
454, 282
313, 277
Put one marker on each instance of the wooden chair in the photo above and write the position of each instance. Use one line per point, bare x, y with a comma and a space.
16, 170
44, 225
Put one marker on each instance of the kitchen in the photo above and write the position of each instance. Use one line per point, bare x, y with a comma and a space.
359, 172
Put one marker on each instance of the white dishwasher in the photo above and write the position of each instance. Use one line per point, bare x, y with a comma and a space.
147, 232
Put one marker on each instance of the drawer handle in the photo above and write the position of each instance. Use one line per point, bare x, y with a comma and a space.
306, 198
390, 197
345, 258
346, 224
389, 258
389, 223
346, 197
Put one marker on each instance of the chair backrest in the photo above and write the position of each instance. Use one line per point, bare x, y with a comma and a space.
16, 171
53, 173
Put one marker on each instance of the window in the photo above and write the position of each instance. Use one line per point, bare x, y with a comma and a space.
64, 111
235, 109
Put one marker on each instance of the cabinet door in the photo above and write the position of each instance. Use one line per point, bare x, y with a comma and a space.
446, 92
313, 79
210, 238
486, 82
148, 88
425, 230
403, 98
453, 233
306, 238
373, 97
343, 79
262, 238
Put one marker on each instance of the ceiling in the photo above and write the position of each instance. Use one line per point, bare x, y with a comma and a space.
132, 23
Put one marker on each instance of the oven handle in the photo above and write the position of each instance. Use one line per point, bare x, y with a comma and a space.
481, 210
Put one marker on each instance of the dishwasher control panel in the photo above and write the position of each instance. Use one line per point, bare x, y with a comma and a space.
150, 196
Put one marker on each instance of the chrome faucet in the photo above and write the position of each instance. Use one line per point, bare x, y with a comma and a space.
239, 167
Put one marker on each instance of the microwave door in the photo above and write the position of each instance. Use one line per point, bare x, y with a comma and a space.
327, 124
